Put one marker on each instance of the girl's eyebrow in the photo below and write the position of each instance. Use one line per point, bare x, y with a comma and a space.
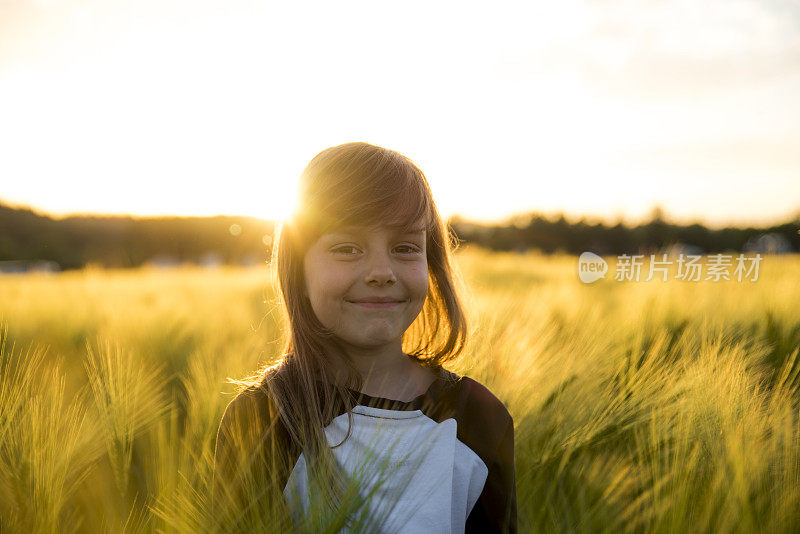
397, 228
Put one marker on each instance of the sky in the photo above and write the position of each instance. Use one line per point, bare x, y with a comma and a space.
600, 109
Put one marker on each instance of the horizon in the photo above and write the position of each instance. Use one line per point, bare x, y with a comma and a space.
507, 220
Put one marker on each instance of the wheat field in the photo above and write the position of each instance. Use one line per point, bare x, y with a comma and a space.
638, 406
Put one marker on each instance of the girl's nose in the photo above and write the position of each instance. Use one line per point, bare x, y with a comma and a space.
380, 271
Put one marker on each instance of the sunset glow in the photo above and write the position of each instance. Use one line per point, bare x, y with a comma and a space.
204, 108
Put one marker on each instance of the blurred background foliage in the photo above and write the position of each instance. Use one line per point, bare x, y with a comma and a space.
28, 238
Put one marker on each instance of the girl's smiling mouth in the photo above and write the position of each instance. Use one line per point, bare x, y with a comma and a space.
376, 302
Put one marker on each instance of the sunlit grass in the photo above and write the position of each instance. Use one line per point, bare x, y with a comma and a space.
638, 406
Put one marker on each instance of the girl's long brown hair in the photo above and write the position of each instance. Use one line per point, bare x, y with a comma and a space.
358, 184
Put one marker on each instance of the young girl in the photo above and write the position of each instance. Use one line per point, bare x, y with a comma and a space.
359, 427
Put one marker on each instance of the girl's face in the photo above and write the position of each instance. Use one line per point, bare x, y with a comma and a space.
349, 266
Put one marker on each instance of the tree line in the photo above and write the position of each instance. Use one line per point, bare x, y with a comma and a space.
124, 241
548, 235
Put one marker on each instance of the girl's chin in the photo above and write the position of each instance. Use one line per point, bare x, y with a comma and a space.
374, 340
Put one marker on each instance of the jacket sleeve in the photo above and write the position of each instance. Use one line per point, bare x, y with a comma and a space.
248, 456
496, 508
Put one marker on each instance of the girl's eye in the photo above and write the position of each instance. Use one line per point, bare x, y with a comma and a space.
344, 250
349, 250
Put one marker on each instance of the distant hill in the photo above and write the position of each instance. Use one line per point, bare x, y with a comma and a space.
29, 238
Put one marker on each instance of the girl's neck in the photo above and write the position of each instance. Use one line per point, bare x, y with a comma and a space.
390, 373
